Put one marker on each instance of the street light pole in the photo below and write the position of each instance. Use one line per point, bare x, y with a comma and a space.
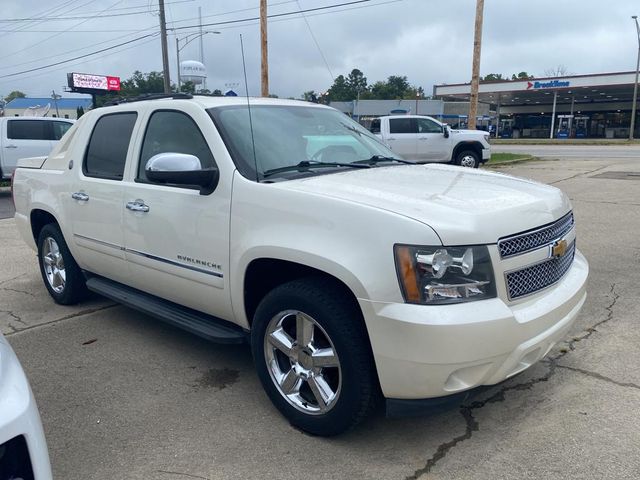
187, 41
635, 85
178, 60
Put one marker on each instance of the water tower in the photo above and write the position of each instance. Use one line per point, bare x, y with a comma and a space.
192, 71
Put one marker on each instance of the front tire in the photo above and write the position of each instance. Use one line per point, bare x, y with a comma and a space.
312, 356
468, 158
60, 272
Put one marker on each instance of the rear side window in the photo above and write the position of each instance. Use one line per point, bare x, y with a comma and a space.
175, 132
59, 129
107, 151
27, 130
403, 125
375, 126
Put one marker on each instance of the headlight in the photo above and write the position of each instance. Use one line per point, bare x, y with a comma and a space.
487, 138
437, 275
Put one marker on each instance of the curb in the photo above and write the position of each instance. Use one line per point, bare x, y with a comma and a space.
528, 158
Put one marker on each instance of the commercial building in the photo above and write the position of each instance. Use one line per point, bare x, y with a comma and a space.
46, 106
575, 106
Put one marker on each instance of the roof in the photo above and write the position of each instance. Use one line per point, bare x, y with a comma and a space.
64, 103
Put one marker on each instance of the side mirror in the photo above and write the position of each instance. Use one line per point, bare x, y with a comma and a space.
445, 131
182, 169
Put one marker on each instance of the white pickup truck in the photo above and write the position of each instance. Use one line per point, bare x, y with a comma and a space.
354, 275
424, 139
22, 137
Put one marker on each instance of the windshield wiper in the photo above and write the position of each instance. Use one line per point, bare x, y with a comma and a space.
306, 164
374, 160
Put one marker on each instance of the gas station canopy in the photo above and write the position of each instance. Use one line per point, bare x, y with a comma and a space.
606, 99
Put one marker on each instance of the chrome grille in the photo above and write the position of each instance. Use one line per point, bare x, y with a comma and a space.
541, 275
523, 242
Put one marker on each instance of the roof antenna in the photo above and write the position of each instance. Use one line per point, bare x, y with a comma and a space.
246, 89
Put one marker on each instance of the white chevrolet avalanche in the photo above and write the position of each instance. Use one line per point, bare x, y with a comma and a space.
355, 276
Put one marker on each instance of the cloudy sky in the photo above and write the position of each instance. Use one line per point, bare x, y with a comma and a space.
429, 41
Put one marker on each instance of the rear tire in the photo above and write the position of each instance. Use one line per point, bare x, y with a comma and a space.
312, 355
468, 158
60, 272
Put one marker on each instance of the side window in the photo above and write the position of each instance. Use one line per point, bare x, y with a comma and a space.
402, 125
176, 132
107, 150
59, 129
428, 126
27, 130
375, 126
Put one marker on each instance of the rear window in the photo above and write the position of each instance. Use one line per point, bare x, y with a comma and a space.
107, 151
59, 129
27, 130
403, 125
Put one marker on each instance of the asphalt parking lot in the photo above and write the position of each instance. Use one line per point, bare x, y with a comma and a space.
124, 396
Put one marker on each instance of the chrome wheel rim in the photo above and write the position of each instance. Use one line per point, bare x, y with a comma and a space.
302, 362
53, 265
468, 161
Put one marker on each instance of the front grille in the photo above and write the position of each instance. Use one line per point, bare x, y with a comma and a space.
541, 275
523, 242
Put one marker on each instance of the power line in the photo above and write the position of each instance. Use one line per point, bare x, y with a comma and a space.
78, 57
316, 42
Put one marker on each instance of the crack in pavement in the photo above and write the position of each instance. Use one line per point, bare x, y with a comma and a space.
66, 317
183, 474
472, 425
599, 376
579, 174
9, 289
12, 278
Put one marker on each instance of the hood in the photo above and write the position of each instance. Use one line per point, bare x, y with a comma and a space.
477, 133
462, 205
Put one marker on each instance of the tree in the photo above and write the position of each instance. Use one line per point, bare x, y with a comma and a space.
187, 87
14, 94
356, 82
140, 83
558, 71
492, 77
521, 76
340, 91
395, 87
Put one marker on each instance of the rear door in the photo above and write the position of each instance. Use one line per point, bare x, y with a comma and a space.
95, 202
402, 137
432, 144
24, 138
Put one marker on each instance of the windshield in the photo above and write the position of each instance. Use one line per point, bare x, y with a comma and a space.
287, 135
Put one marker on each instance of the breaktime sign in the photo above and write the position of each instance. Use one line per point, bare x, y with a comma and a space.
550, 84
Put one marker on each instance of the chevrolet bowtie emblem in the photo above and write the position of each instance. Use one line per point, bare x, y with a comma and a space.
559, 248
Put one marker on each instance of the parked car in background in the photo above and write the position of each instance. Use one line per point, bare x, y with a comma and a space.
353, 274
424, 139
23, 449
22, 137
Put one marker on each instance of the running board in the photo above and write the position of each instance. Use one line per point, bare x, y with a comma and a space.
198, 323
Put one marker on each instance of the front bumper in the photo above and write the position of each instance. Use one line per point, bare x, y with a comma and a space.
19, 420
431, 351
486, 154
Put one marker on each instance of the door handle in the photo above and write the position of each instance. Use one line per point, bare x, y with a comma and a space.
11, 146
391, 138
423, 138
80, 196
138, 206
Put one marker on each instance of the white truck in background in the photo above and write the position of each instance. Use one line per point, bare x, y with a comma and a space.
24, 137
423, 139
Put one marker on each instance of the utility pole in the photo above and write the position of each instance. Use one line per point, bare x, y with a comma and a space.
165, 50
635, 85
475, 70
264, 72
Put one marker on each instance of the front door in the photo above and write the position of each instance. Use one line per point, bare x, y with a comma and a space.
177, 240
432, 144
